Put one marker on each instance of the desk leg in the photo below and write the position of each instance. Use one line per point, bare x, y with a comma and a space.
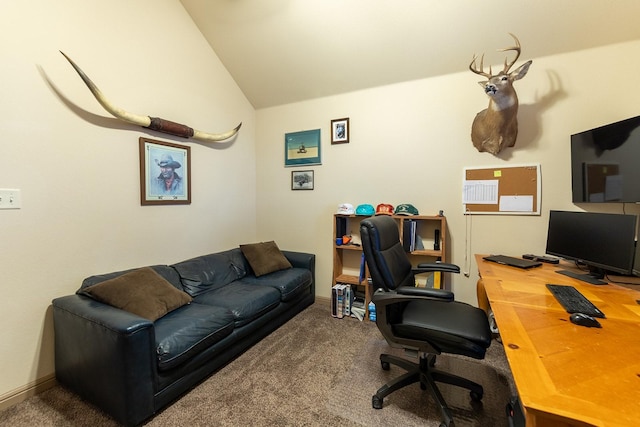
483, 300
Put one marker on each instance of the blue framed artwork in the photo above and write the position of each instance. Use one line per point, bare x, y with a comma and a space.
302, 148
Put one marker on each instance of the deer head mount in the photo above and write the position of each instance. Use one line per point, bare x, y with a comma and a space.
496, 126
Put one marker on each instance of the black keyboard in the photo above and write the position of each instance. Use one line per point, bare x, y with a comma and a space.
573, 301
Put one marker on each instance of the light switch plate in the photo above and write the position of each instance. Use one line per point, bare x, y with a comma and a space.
10, 198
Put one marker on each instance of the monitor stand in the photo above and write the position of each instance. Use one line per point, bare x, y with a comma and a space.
584, 277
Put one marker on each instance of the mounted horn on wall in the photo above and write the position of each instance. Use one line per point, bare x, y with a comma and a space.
496, 127
153, 123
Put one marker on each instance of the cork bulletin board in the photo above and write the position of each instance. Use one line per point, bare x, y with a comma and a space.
510, 190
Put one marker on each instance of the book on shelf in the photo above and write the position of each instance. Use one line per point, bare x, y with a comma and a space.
337, 301
341, 226
342, 300
409, 235
348, 299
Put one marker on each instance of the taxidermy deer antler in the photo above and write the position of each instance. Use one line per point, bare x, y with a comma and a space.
153, 123
496, 127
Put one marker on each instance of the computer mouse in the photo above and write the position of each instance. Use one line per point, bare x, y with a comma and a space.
584, 320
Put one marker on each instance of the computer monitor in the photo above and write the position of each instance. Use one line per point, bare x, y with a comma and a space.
636, 263
600, 241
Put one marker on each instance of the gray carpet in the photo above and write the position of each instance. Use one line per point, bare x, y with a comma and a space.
412, 405
313, 371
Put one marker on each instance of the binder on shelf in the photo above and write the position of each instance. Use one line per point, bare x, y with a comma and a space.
341, 226
406, 235
348, 300
409, 235
334, 301
338, 293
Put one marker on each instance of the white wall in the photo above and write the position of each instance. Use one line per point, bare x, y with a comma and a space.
78, 168
410, 143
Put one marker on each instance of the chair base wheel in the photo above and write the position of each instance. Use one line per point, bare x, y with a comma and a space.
475, 396
385, 366
376, 402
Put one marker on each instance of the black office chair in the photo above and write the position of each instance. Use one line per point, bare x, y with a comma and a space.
423, 320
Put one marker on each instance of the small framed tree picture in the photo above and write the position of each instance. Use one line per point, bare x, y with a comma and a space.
340, 131
302, 180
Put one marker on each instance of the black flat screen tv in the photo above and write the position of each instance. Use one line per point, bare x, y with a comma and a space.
605, 163
601, 242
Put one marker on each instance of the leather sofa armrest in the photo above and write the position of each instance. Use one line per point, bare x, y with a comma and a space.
303, 260
98, 345
112, 318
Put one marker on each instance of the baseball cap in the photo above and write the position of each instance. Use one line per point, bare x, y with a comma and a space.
384, 209
345, 209
365, 209
406, 209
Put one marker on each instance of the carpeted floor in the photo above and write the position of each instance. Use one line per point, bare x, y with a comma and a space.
313, 371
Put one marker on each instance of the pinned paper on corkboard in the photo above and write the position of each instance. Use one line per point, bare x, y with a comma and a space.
510, 190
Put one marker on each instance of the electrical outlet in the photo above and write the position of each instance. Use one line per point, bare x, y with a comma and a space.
10, 198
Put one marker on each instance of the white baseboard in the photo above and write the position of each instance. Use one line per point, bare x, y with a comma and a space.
23, 393
323, 300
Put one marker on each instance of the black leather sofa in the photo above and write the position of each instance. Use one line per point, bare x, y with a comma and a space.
131, 367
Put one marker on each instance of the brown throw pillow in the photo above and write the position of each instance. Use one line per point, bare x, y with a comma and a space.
143, 292
265, 257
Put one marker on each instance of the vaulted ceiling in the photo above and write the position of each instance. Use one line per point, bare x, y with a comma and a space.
284, 51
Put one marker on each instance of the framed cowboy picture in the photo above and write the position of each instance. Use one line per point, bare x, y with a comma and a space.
165, 173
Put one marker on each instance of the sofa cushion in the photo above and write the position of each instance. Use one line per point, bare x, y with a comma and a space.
184, 333
207, 272
164, 270
290, 283
143, 292
246, 302
265, 257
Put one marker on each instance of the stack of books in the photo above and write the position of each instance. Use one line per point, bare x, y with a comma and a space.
345, 302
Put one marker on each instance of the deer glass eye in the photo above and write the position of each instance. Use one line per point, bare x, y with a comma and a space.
504, 78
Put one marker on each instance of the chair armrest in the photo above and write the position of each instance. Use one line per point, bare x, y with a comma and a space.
426, 292
437, 266
409, 293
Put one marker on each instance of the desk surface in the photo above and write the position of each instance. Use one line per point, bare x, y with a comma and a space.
567, 374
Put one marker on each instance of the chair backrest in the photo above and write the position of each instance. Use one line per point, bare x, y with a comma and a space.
386, 259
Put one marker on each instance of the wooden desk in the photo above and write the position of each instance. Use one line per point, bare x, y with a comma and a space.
566, 375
